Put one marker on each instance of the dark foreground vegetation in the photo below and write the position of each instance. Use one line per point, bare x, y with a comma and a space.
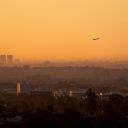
43, 110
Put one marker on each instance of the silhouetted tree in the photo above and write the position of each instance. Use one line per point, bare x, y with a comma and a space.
91, 101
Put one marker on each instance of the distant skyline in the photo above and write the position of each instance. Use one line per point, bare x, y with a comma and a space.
63, 30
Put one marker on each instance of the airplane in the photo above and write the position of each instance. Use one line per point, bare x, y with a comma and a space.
96, 38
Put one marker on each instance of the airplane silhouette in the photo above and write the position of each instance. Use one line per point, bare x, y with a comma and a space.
96, 38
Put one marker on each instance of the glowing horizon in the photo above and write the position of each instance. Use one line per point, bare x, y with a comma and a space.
64, 29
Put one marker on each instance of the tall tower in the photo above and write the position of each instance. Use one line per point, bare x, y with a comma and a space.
28, 88
2, 59
23, 88
9, 59
18, 89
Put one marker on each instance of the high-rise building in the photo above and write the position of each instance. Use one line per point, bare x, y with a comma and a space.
23, 88
18, 89
9, 59
2, 59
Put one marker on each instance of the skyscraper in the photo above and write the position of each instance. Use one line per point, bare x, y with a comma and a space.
9, 59
2, 59
18, 89
23, 88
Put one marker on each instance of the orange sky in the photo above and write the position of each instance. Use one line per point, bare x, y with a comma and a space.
63, 29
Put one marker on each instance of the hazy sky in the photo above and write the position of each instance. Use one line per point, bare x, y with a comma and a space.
63, 29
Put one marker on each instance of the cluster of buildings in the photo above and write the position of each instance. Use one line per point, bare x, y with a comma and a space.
72, 93
23, 88
6, 59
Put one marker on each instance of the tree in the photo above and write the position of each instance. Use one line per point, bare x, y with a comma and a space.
91, 100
